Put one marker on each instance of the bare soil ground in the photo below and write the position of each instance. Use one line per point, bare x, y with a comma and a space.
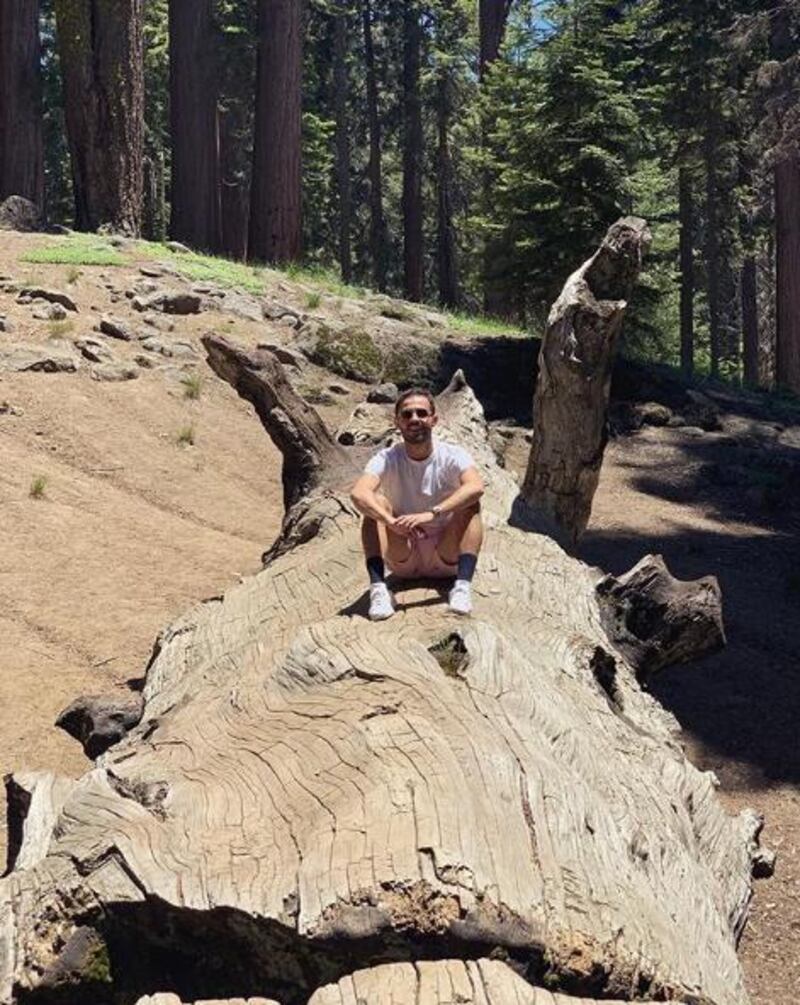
134, 527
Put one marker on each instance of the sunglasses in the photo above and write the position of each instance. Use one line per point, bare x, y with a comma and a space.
410, 413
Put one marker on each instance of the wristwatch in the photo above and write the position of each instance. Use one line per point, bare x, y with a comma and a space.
436, 510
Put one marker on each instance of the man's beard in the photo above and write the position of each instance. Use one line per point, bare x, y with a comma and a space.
422, 434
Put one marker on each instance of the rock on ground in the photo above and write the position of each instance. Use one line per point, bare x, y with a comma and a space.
22, 356
18, 213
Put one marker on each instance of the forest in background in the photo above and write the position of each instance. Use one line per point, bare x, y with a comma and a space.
462, 152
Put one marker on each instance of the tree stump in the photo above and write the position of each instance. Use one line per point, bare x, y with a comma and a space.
313, 803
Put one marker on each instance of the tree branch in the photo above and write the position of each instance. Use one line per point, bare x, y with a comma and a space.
295, 428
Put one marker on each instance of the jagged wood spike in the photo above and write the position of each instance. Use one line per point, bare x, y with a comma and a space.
570, 405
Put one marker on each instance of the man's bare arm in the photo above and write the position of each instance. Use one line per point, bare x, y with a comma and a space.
366, 500
467, 494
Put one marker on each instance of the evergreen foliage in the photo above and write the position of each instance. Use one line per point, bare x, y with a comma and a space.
676, 111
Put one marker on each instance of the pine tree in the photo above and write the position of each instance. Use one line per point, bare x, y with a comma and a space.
21, 124
413, 262
237, 23
492, 18
562, 147
377, 224
342, 33
195, 188
102, 62
275, 190
784, 30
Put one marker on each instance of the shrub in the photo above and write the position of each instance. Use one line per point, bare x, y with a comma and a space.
38, 485
185, 437
192, 386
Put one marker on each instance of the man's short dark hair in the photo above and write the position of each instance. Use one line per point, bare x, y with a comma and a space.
415, 392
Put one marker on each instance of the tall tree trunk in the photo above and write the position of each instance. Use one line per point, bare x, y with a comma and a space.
377, 226
21, 143
787, 273
712, 245
787, 234
492, 18
686, 252
750, 336
340, 100
446, 238
748, 276
102, 62
149, 199
193, 89
275, 190
766, 299
413, 262
686, 218
721, 170
234, 191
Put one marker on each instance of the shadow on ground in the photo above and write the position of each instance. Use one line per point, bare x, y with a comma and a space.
742, 704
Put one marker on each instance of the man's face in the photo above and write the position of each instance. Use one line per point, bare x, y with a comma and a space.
416, 419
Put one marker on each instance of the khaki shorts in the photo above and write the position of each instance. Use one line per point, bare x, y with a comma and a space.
423, 560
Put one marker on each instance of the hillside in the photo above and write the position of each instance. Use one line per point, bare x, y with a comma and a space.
137, 484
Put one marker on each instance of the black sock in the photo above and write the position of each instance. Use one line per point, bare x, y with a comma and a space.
375, 569
466, 566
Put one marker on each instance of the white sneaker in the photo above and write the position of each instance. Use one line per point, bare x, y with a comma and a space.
381, 602
460, 597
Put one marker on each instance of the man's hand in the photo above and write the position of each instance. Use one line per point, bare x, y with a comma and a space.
412, 524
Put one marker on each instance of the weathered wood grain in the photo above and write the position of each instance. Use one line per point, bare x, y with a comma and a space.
441, 982
310, 794
570, 404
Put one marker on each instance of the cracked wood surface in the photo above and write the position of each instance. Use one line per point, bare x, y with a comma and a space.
427, 982
309, 792
570, 406
441, 982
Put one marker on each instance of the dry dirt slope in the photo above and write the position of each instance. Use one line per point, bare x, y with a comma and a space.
133, 526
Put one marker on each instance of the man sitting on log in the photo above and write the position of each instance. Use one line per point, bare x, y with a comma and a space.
421, 511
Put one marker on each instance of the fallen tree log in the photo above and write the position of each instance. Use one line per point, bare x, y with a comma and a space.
309, 795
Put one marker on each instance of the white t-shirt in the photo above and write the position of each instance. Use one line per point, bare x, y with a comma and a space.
414, 486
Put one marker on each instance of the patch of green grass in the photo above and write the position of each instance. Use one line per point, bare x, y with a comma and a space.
97, 965
313, 300
316, 395
74, 250
185, 437
478, 324
207, 268
56, 329
192, 386
38, 486
326, 280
